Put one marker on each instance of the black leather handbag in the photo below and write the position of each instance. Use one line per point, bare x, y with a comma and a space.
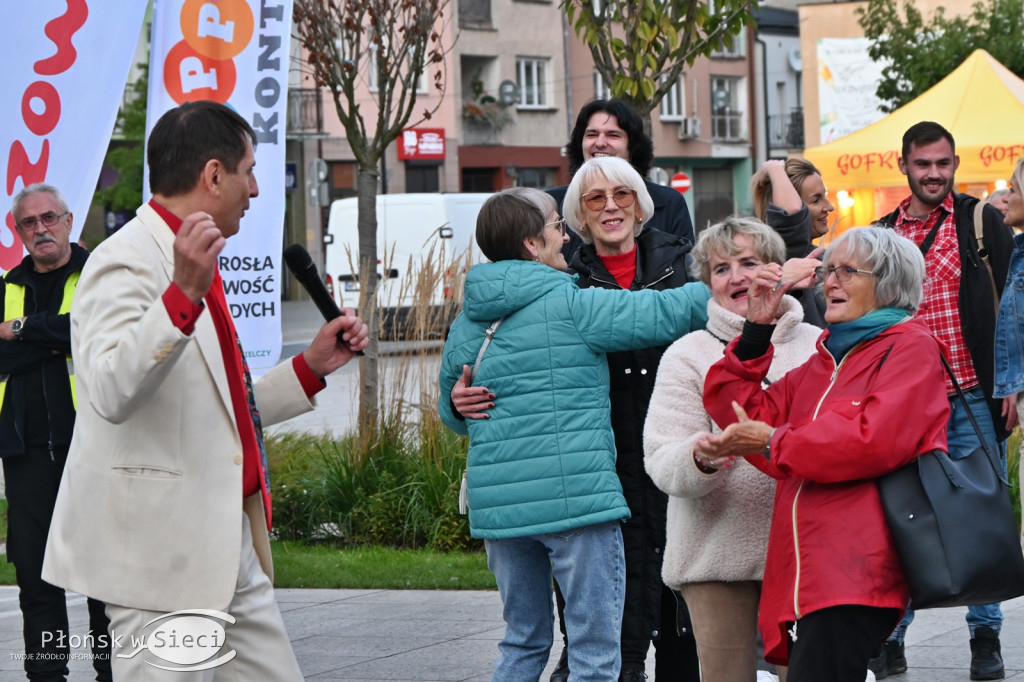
953, 526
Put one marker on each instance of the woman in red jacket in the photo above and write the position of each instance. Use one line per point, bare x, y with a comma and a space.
870, 400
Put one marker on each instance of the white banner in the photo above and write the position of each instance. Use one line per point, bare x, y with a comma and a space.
65, 63
236, 52
847, 81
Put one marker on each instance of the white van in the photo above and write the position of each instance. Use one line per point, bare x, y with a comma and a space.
411, 230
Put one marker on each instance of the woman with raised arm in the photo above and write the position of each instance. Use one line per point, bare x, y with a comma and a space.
542, 487
869, 401
718, 517
792, 199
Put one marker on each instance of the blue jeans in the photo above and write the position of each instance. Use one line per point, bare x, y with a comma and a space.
963, 440
590, 566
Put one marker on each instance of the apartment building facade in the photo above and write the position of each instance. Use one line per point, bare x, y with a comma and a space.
516, 77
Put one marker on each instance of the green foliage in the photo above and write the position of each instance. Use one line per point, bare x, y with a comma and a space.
399, 490
640, 48
378, 568
918, 54
126, 156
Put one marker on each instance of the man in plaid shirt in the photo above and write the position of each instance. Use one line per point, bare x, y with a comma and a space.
960, 308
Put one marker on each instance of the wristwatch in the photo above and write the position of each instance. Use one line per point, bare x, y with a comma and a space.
16, 326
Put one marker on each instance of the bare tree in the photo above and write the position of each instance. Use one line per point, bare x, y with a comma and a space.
640, 48
392, 44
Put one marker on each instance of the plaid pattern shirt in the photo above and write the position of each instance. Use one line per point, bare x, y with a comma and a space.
940, 309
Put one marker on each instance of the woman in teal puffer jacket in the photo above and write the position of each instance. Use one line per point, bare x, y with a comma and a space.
543, 491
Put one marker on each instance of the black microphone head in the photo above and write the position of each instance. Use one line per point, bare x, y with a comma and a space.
297, 258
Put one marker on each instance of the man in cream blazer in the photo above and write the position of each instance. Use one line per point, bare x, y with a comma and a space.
149, 518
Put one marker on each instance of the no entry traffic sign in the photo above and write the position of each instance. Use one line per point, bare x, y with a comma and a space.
681, 182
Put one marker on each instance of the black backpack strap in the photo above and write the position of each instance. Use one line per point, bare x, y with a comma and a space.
930, 238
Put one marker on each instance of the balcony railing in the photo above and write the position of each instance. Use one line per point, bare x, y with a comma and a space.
305, 113
786, 131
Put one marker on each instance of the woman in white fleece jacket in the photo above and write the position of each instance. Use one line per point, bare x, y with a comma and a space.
718, 520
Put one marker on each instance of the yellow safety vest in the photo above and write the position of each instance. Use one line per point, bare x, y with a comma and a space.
14, 306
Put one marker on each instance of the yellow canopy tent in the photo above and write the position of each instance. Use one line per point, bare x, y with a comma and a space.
981, 103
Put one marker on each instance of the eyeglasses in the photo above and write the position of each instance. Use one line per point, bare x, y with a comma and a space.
559, 225
843, 273
596, 201
47, 219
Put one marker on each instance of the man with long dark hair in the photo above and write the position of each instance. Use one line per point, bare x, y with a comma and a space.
611, 127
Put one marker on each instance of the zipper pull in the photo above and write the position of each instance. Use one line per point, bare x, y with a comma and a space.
49, 446
792, 632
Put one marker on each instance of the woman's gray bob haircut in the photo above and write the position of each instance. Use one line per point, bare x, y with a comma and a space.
508, 218
896, 261
617, 171
720, 238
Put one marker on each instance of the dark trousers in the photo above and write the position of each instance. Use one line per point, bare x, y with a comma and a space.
675, 649
835, 644
31, 482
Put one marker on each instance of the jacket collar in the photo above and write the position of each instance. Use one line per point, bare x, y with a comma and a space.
655, 251
727, 325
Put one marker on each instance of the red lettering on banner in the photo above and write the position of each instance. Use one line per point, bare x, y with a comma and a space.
19, 166
12, 255
60, 31
44, 123
1001, 153
870, 161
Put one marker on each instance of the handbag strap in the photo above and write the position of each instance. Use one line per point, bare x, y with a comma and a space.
488, 335
963, 399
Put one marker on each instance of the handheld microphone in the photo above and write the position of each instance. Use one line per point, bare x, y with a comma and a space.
302, 266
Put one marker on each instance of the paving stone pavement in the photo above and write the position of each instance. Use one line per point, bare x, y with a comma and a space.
434, 636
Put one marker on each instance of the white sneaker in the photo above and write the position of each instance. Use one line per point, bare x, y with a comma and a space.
765, 676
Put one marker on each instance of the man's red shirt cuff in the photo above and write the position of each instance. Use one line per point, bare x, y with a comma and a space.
311, 383
182, 310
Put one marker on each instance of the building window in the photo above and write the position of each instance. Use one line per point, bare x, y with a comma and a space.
601, 89
737, 50
480, 179
532, 78
422, 178
421, 79
728, 109
373, 77
673, 104
541, 178
739, 41
475, 13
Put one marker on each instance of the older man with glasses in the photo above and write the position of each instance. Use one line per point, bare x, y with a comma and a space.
37, 416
